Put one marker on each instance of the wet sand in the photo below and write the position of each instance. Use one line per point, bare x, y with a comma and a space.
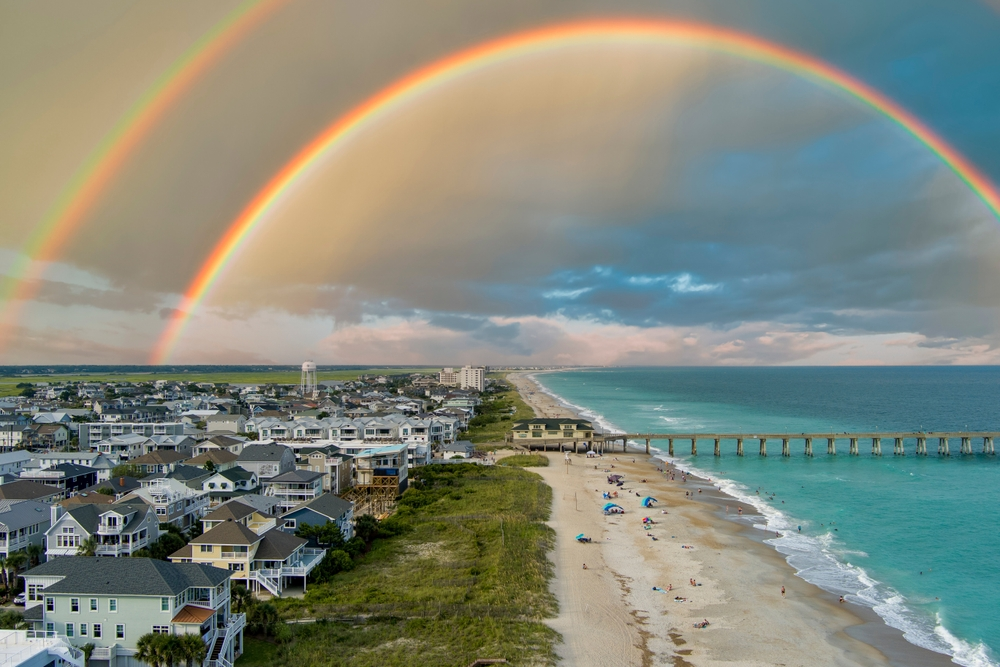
610, 613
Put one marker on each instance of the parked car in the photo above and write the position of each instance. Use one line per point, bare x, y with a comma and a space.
20, 599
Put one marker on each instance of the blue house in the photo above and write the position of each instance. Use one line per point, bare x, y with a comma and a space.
318, 511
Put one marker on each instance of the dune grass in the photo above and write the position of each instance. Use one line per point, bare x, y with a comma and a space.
494, 419
525, 461
466, 578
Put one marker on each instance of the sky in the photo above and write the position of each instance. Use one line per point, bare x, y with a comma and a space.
604, 203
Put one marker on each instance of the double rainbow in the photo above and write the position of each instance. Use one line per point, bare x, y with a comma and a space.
533, 41
53, 232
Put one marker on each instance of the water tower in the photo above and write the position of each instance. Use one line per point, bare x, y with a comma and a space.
308, 385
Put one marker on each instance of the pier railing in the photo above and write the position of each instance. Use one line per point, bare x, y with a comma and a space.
916, 440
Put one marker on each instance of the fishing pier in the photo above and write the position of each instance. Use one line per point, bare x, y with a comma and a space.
964, 442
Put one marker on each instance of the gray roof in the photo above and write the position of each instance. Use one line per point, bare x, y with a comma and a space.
26, 490
126, 576
67, 469
298, 476
88, 515
265, 504
236, 474
16, 514
278, 545
263, 453
328, 504
115, 484
228, 532
233, 511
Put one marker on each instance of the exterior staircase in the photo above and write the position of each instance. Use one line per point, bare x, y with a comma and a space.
269, 579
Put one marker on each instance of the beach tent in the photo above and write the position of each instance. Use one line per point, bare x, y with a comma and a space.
608, 506
648, 501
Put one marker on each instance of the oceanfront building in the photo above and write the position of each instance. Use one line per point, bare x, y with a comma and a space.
251, 546
553, 429
112, 602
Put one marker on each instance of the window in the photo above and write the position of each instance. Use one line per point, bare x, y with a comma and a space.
290, 523
206, 548
74, 605
113, 604
83, 629
236, 567
50, 627
69, 629
161, 629
120, 631
161, 511
35, 591
93, 604
164, 604
97, 630
50, 604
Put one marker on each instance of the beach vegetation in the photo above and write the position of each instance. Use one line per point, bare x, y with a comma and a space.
496, 415
459, 572
525, 461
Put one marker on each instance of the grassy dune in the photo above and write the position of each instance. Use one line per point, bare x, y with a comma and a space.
466, 579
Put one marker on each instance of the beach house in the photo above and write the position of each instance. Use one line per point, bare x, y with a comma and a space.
118, 529
112, 602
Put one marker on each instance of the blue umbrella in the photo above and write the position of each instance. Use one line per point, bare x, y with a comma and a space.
647, 501
579, 536
610, 505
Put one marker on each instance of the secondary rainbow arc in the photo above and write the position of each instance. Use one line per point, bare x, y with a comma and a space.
426, 78
78, 197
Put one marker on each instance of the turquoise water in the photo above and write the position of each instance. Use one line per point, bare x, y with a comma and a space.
915, 538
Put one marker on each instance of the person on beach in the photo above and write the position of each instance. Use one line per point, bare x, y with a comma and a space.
740, 510
782, 591
842, 600
584, 566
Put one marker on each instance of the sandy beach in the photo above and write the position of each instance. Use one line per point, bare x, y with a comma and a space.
634, 603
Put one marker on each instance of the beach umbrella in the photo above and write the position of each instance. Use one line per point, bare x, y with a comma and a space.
647, 501
610, 505
579, 536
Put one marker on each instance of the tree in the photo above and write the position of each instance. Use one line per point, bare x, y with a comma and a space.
10, 619
128, 470
335, 560
88, 547
191, 649
262, 618
15, 562
209, 466
241, 598
28, 392
148, 649
323, 415
326, 535
34, 552
106, 491
166, 544
194, 531
366, 527
88, 650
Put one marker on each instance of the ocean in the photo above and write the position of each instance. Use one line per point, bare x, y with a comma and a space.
917, 539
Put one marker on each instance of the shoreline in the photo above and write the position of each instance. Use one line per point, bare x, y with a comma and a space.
610, 613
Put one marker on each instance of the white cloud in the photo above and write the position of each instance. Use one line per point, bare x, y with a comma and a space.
566, 294
681, 283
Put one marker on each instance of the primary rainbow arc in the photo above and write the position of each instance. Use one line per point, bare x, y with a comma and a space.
640, 30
